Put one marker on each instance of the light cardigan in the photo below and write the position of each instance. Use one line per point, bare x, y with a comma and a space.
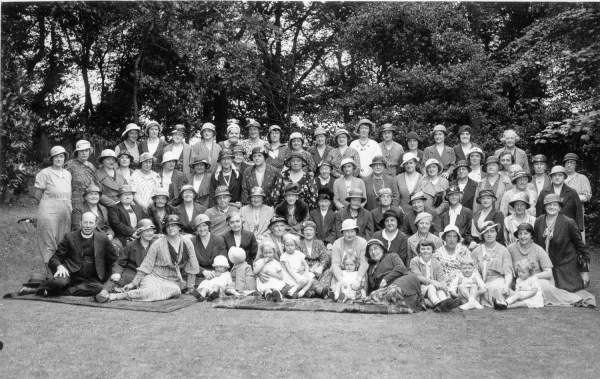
339, 189
404, 192
338, 252
366, 153
158, 262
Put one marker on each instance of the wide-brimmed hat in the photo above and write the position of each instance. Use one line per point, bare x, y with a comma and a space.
388, 128
225, 153
553, 198
440, 128
169, 156
407, 157
451, 190
319, 131
465, 128
58, 150
491, 159
364, 121
202, 219
559, 170
254, 124
144, 224
524, 226
277, 219
151, 124
346, 161
219, 191
143, 158
179, 128
309, 224
208, 126
291, 189
35, 280
125, 189
435, 162
325, 194
199, 159
390, 213
520, 196
83, 145
383, 191
221, 261
451, 228
296, 154
539, 158
412, 135
106, 153
339, 132
356, 193
521, 174
260, 150
188, 187
463, 163
92, 188
571, 157
161, 192
372, 242
172, 220
349, 224
295, 135
487, 226
129, 128
378, 159
258, 191
476, 150
417, 196
423, 216
486, 192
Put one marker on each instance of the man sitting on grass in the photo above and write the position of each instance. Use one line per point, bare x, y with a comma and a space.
81, 263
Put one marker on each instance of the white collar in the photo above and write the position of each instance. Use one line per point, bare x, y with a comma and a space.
425, 263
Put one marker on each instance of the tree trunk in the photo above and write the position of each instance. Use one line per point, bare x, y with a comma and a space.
220, 113
136, 84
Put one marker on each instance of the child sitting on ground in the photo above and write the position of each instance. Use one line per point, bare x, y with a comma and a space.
528, 290
429, 272
342, 290
296, 275
468, 285
211, 289
243, 281
268, 272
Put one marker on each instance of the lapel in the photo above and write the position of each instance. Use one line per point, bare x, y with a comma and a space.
329, 218
244, 241
97, 244
124, 213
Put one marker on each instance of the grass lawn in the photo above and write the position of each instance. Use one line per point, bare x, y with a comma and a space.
57, 340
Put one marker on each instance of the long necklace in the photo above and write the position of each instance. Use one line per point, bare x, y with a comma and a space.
223, 212
491, 253
375, 191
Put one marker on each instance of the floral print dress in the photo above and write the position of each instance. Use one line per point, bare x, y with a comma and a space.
335, 157
318, 255
451, 263
308, 189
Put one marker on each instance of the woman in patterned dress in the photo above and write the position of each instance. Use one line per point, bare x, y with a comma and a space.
295, 163
296, 144
53, 192
451, 253
317, 257
341, 152
145, 181
154, 145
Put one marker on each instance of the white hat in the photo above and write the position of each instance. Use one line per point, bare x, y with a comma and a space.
221, 260
131, 127
407, 157
83, 145
349, 224
169, 156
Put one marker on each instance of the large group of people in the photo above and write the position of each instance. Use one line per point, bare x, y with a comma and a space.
444, 226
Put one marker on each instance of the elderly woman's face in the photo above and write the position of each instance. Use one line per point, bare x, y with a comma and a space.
552, 208
558, 178
410, 166
418, 205
173, 230
223, 201
202, 229
391, 224
432, 170
451, 239
355, 203
462, 172
539, 167
153, 131
342, 140
524, 237
92, 198
309, 233
188, 196
363, 130
256, 200
385, 199
378, 168
126, 198
486, 201
522, 183
275, 135
510, 139
413, 144
296, 144
278, 228
208, 134
145, 165
235, 223
439, 137
325, 171
133, 135
375, 252
520, 208
233, 136
254, 132
160, 201
320, 139
58, 160
348, 169
258, 159
324, 204
492, 168
570, 166
296, 164
199, 168
424, 225
349, 235
475, 159
490, 235
465, 137
125, 161
426, 252
387, 135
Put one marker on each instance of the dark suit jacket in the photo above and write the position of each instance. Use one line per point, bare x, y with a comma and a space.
399, 244
364, 222
460, 156
571, 204
178, 180
408, 224
103, 226
188, 225
315, 154
325, 226
235, 186
206, 256
119, 220
248, 243
468, 199
70, 256
463, 222
204, 190
132, 256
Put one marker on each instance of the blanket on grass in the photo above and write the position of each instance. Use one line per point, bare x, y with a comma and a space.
164, 306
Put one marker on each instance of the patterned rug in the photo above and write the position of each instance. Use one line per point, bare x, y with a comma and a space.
164, 306
311, 305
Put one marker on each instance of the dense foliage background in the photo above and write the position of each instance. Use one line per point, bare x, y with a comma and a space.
86, 69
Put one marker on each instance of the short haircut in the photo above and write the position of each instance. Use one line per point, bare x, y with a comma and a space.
512, 159
525, 264
349, 257
290, 237
467, 261
264, 245
510, 131
425, 244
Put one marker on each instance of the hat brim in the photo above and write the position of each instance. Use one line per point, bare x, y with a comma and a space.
206, 165
178, 223
208, 222
275, 222
478, 200
362, 199
140, 131
418, 198
451, 193
259, 194
85, 193
459, 236
62, 152
287, 161
487, 229
484, 166
465, 166
221, 194
291, 193
554, 201
514, 180
352, 228
144, 228
101, 159
123, 193
160, 128
90, 148
382, 222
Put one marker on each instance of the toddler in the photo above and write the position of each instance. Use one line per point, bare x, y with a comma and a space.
296, 275
268, 271
210, 289
242, 276
468, 285
528, 291
342, 290
429, 272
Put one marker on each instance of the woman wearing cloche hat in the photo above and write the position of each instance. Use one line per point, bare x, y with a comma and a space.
153, 145
207, 146
447, 158
130, 143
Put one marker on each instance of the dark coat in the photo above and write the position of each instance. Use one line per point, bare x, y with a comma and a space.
132, 256
248, 243
378, 216
458, 152
206, 256
398, 246
364, 221
463, 222
468, 198
325, 226
188, 224
119, 220
70, 256
390, 268
102, 226
564, 248
315, 153
388, 182
235, 186
497, 217
571, 208
300, 213
178, 180
159, 223
329, 185
408, 224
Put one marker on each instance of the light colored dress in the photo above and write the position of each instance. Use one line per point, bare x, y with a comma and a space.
295, 262
524, 287
492, 266
349, 277
54, 211
511, 225
222, 281
509, 195
145, 185
581, 185
272, 267
366, 153
451, 263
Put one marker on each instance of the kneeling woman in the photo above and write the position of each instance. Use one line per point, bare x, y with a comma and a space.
387, 269
159, 277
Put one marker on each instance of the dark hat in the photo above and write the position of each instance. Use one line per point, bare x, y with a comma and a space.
486, 192
254, 124
225, 153
464, 128
260, 150
521, 174
412, 135
35, 280
463, 163
199, 159
173, 219
220, 191
417, 196
125, 189
492, 159
539, 158
240, 149
372, 242
291, 189
378, 159
387, 214
179, 129
92, 188
553, 198
325, 194
388, 128
355, 193
296, 154
571, 157
257, 191
451, 190
144, 224
277, 219
324, 163
524, 226
309, 224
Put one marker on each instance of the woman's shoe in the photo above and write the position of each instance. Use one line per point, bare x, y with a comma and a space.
26, 291
277, 297
103, 297
269, 296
